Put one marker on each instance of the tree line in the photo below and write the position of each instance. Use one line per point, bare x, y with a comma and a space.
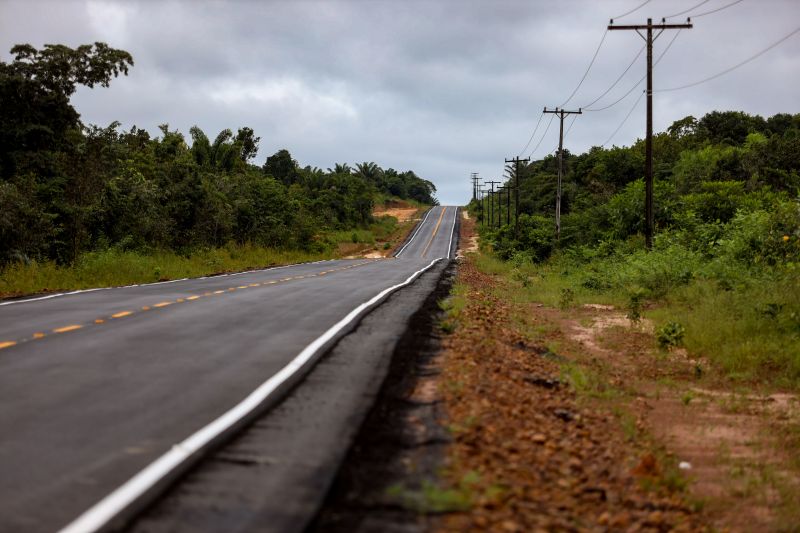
711, 174
67, 188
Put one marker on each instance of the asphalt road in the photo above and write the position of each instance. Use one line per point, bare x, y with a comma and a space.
107, 395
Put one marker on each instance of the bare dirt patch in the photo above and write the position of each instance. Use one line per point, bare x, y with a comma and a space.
727, 443
402, 214
407, 216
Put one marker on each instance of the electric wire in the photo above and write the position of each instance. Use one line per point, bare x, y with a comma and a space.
574, 118
532, 134
687, 10
742, 63
624, 120
618, 79
543, 136
624, 96
632, 10
602, 40
718, 9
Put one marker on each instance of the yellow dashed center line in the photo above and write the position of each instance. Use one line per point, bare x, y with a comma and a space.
121, 314
435, 231
65, 329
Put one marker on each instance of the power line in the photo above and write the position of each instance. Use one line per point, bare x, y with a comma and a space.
602, 40
687, 10
632, 10
717, 75
542, 138
621, 98
532, 134
618, 79
718, 9
623, 120
574, 118
624, 96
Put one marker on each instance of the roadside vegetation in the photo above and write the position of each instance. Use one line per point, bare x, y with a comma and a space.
724, 273
587, 411
691, 349
83, 205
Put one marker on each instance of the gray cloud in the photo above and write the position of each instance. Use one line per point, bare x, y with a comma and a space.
441, 87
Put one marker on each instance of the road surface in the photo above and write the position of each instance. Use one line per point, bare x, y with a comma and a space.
107, 396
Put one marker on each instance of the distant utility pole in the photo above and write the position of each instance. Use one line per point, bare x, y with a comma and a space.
482, 200
561, 114
648, 166
474, 178
506, 189
516, 162
491, 201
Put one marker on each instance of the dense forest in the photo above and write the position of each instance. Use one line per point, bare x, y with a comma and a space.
725, 265
724, 171
67, 188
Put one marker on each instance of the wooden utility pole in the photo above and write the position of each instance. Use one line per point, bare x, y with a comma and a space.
648, 146
561, 114
491, 201
507, 188
474, 178
483, 197
516, 162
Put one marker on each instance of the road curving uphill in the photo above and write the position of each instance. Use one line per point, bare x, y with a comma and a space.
220, 403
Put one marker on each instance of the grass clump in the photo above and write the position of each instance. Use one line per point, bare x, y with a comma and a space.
431, 497
452, 307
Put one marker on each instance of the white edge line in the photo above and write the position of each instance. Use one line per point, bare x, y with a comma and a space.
106, 509
452, 232
415, 233
12, 302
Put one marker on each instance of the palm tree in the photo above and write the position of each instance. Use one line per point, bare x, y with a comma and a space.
369, 171
223, 154
340, 168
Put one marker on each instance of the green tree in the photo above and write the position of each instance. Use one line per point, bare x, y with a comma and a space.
247, 143
35, 88
282, 167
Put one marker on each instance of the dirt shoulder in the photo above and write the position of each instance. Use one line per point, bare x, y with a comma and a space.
572, 419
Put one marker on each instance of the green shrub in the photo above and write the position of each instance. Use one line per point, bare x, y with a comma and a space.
635, 305
567, 298
670, 335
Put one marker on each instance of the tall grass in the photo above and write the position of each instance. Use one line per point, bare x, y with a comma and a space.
745, 321
114, 267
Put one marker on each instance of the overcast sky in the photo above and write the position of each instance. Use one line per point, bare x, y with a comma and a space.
444, 88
